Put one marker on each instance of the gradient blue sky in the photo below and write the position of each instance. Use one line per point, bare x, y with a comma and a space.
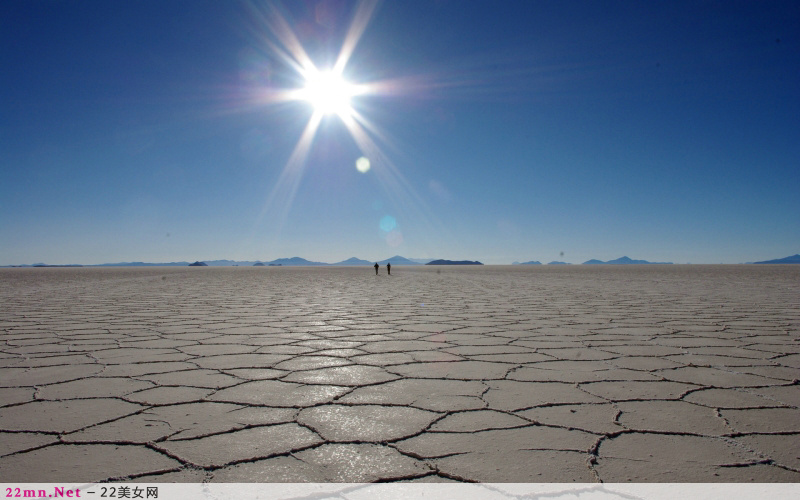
507, 131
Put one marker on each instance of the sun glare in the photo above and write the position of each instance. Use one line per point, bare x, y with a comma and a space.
328, 93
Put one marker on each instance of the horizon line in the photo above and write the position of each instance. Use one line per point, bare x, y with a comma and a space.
415, 261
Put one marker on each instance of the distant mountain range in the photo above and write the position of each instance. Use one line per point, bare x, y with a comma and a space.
793, 259
529, 263
623, 261
353, 261
557, 263
143, 264
54, 265
397, 260
443, 262
294, 261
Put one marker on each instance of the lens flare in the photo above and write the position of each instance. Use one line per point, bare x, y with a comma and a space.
363, 165
333, 92
388, 223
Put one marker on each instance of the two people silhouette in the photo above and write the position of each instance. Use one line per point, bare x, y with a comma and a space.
388, 268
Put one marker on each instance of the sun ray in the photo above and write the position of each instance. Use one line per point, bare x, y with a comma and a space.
294, 52
371, 129
360, 22
330, 93
395, 186
280, 199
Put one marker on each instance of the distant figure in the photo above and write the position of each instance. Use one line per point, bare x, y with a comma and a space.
389, 268
376, 268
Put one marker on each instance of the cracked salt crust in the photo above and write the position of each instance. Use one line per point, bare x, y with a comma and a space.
306, 374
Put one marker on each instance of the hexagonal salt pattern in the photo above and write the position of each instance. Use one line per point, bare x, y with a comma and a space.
494, 374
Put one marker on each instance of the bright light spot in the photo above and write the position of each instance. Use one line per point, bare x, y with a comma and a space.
362, 165
388, 223
328, 92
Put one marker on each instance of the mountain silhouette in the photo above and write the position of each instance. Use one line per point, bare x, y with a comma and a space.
445, 262
420, 261
398, 261
296, 261
622, 261
353, 261
792, 259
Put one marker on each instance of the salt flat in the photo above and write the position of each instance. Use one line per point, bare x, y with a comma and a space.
491, 374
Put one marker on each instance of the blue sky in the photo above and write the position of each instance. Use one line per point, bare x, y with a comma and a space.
501, 131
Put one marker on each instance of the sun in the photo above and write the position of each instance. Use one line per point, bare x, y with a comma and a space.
328, 92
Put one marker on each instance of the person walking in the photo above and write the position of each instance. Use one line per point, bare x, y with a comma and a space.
389, 268
376, 268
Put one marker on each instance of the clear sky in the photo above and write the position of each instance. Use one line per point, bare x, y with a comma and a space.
161, 130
